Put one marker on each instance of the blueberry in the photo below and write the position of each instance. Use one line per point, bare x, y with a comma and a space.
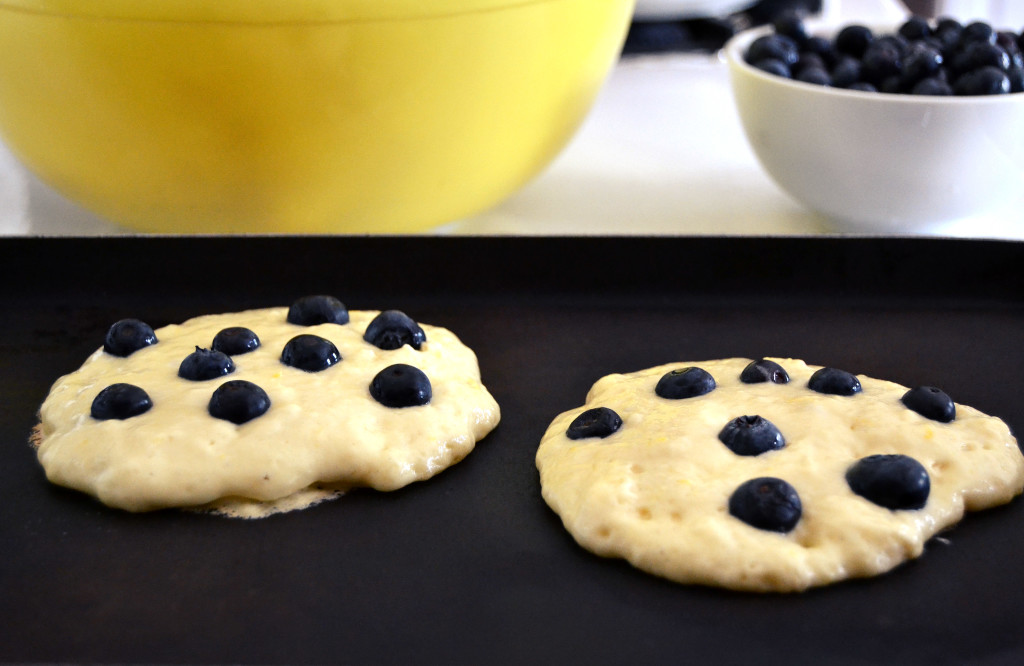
814, 75
393, 329
933, 41
892, 42
846, 72
981, 54
401, 385
685, 383
892, 481
932, 86
313, 310
766, 503
984, 81
596, 422
128, 336
1008, 42
120, 401
758, 372
891, 85
948, 30
977, 31
238, 401
921, 62
880, 63
930, 403
1016, 76
862, 86
776, 47
809, 60
834, 382
774, 66
823, 48
310, 353
854, 40
205, 364
751, 436
790, 23
916, 27
990, 55
235, 340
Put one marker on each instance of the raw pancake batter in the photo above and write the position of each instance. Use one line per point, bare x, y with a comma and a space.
796, 477
304, 411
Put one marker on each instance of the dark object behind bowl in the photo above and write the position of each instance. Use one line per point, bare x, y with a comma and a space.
707, 34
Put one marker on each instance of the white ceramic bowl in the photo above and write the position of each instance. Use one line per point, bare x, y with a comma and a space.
875, 162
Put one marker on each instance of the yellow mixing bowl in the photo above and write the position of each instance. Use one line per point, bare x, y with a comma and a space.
297, 115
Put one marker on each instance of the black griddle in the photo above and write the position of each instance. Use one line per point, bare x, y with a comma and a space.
471, 567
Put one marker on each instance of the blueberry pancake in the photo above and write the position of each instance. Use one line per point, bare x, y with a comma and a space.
769, 475
262, 411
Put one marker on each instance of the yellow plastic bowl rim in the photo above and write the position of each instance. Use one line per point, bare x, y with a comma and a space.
263, 11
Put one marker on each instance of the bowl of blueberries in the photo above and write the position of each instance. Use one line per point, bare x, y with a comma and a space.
892, 129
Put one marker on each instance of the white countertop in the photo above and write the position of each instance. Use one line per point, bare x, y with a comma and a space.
662, 152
